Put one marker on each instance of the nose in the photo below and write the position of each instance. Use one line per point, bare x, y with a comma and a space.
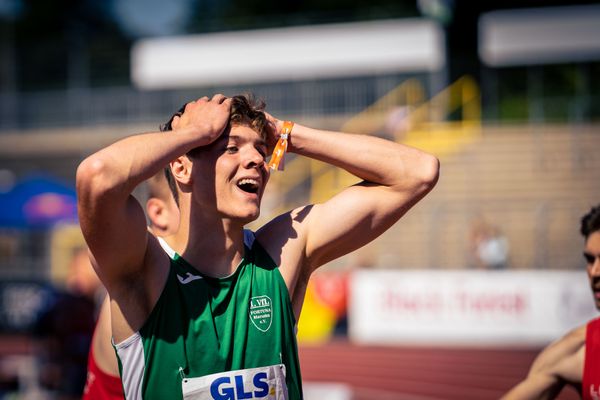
254, 159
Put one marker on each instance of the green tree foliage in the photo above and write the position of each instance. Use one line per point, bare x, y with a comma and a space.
68, 43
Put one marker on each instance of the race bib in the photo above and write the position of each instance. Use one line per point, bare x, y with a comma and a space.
266, 383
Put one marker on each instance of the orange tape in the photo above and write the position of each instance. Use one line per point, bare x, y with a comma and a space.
277, 162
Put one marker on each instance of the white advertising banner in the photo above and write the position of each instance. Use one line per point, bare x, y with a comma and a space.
311, 52
467, 307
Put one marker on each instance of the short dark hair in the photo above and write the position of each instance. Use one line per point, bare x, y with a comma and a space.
246, 110
249, 111
590, 222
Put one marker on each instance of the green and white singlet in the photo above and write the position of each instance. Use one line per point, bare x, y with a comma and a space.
216, 338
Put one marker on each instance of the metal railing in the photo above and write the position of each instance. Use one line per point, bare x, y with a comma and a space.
423, 124
127, 105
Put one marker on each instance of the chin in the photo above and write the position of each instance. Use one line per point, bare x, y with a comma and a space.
249, 217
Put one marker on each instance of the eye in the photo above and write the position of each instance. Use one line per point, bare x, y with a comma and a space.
231, 149
589, 258
262, 151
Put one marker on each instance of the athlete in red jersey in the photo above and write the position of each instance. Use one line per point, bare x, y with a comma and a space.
103, 380
575, 358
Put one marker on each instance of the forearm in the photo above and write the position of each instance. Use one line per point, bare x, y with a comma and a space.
535, 387
369, 158
117, 169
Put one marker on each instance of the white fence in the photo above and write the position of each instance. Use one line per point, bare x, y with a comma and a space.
467, 307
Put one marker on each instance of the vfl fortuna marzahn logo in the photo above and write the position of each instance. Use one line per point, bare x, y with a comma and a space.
261, 313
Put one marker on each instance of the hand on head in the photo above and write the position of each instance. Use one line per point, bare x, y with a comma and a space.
207, 117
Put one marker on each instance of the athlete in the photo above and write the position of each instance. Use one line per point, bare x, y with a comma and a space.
574, 359
218, 322
103, 380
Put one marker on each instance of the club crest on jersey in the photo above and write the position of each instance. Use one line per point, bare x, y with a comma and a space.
261, 312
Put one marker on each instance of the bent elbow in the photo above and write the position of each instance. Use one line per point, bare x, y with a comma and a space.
429, 172
91, 179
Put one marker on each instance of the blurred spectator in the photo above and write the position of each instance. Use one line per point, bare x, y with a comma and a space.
489, 247
64, 330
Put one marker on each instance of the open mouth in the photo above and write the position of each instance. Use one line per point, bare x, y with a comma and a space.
248, 185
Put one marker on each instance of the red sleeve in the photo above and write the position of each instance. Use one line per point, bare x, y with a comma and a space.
100, 385
590, 387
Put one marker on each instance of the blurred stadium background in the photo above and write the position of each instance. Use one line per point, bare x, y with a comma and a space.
453, 302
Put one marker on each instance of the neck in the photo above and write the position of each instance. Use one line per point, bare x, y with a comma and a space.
178, 244
214, 246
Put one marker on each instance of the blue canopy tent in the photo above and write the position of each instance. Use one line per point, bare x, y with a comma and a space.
38, 201
28, 214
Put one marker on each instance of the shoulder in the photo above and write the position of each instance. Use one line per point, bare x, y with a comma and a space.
284, 223
576, 336
284, 237
594, 324
285, 240
568, 345
563, 357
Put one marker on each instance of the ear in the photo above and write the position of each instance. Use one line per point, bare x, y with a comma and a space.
158, 218
181, 168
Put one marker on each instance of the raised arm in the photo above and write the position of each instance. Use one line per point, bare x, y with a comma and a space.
112, 221
559, 364
395, 177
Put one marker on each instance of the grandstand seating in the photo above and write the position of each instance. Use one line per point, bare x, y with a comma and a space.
534, 183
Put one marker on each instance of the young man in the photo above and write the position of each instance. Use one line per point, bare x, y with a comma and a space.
103, 381
574, 359
218, 322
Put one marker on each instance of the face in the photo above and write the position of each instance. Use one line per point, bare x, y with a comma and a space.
231, 174
591, 253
